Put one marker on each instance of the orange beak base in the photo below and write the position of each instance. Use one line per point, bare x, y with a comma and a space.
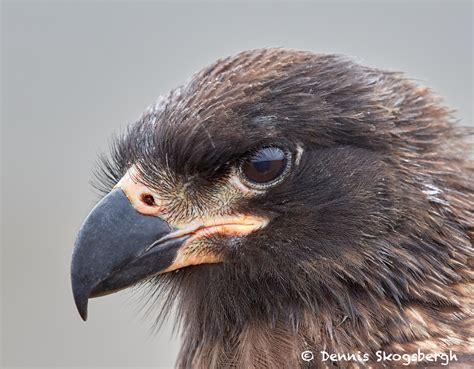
118, 246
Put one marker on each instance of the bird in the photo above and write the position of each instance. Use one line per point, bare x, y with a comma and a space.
288, 206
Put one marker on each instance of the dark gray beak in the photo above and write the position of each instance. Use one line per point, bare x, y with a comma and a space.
117, 247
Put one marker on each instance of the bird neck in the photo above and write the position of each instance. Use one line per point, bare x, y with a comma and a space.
279, 341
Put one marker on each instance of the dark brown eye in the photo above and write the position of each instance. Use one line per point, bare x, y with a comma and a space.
265, 166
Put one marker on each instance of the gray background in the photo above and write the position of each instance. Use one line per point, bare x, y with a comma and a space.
73, 72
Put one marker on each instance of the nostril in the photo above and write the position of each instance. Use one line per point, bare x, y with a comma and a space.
147, 199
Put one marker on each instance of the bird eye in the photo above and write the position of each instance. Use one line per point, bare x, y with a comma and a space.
265, 167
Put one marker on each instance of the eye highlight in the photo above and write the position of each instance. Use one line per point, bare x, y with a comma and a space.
265, 167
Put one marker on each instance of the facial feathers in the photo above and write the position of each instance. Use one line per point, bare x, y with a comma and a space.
370, 243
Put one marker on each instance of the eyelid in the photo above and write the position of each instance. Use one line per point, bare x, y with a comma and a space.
261, 151
263, 186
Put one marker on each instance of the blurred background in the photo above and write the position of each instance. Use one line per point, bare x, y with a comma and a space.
75, 71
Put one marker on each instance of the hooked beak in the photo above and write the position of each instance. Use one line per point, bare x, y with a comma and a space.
117, 247
124, 241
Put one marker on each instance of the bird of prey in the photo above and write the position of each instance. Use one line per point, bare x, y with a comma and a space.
286, 202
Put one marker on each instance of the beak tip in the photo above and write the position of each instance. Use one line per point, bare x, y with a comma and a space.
82, 309
81, 300
83, 315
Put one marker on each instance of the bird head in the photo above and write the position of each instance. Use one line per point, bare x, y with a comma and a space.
276, 184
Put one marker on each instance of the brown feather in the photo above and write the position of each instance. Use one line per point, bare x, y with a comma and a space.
371, 243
